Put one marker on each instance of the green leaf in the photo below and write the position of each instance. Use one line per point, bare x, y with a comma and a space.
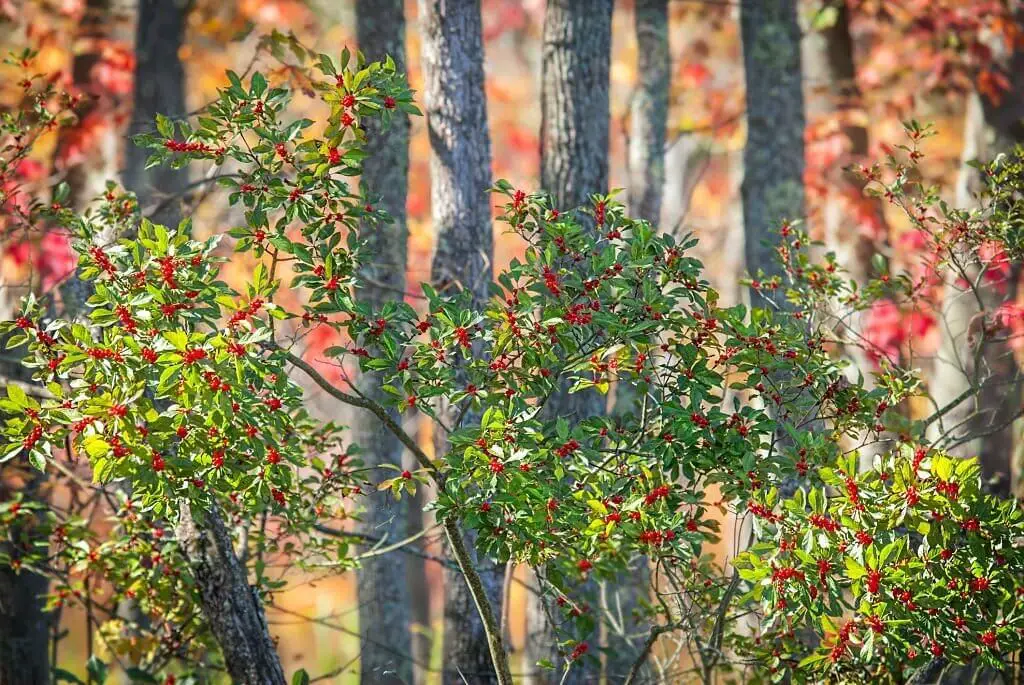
177, 338
95, 446
165, 126
97, 669
61, 192
258, 84
825, 18
854, 570
62, 676
300, 677
139, 675
17, 395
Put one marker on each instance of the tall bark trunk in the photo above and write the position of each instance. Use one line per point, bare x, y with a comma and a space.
573, 165
460, 174
685, 157
231, 607
830, 89
971, 355
24, 623
574, 100
159, 89
621, 640
649, 110
773, 157
383, 589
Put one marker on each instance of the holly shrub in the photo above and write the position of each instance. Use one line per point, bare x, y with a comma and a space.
182, 388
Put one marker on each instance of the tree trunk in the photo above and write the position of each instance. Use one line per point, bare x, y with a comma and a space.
159, 89
573, 165
574, 100
831, 92
24, 626
460, 174
621, 639
649, 111
773, 157
232, 608
104, 22
969, 356
383, 588
24, 623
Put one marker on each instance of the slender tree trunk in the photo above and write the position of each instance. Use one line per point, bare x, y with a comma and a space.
103, 22
231, 607
573, 166
685, 157
384, 597
460, 174
621, 639
973, 352
831, 91
773, 157
24, 625
159, 89
649, 110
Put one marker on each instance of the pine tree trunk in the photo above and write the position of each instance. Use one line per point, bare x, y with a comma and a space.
969, 356
159, 89
383, 588
773, 157
573, 166
460, 174
649, 111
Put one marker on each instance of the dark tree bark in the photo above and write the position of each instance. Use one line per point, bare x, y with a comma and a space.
573, 166
970, 356
649, 111
231, 607
460, 174
24, 624
159, 89
773, 158
574, 100
383, 588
